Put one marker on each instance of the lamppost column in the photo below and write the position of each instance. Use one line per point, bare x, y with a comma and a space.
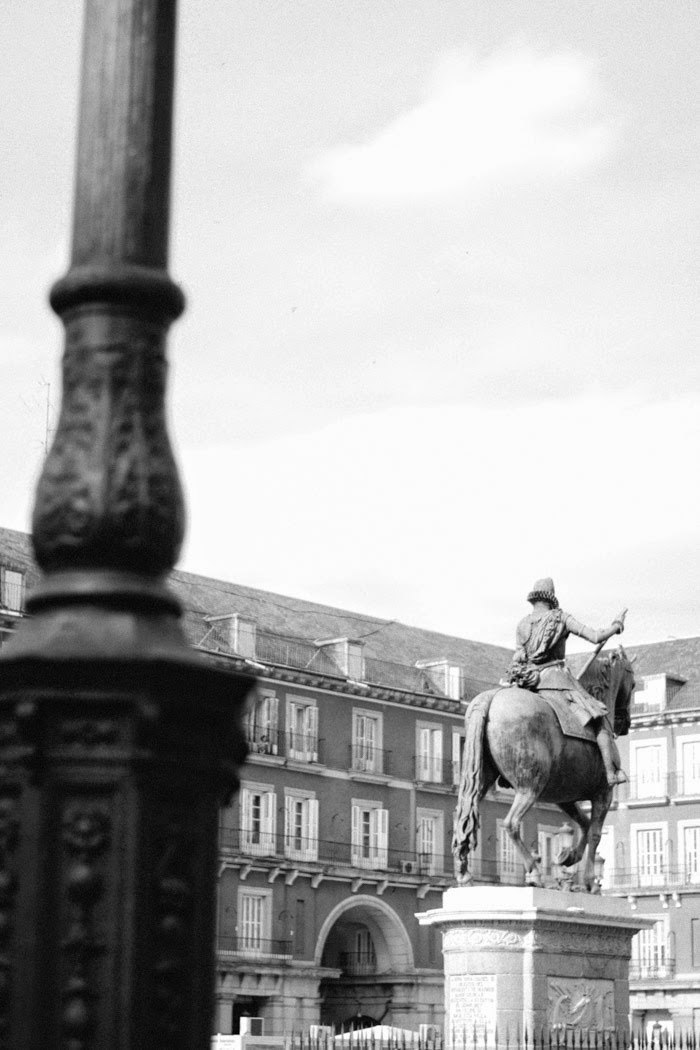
118, 742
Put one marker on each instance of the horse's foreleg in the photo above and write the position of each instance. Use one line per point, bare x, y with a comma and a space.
524, 800
574, 855
599, 811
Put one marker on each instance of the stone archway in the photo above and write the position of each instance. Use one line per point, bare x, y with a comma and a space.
392, 943
365, 988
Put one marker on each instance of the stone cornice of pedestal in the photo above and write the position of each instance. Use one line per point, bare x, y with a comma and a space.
516, 905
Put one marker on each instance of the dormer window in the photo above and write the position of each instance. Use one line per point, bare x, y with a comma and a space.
11, 589
657, 691
348, 654
232, 633
445, 676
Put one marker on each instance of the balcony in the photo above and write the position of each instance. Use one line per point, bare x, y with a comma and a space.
665, 877
647, 790
264, 741
247, 946
430, 770
365, 759
653, 970
358, 964
323, 852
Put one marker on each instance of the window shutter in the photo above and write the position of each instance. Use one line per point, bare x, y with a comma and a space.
381, 825
246, 813
356, 835
312, 733
289, 822
269, 820
437, 755
423, 754
311, 828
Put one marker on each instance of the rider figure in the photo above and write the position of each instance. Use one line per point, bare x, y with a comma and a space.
538, 665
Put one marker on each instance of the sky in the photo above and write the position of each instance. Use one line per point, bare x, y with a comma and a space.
441, 264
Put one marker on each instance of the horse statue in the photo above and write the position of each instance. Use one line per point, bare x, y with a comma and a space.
515, 735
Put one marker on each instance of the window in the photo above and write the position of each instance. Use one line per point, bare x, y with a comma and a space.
649, 859
457, 750
370, 834
241, 637
691, 851
302, 730
547, 849
606, 850
365, 954
253, 920
649, 954
300, 826
258, 819
261, 724
648, 761
429, 841
11, 589
510, 864
429, 750
367, 754
444, 676
690, 766
347, 654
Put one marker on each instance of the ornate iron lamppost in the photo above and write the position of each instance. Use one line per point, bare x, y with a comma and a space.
117, 742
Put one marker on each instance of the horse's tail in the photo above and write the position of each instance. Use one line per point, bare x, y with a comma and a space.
466, 820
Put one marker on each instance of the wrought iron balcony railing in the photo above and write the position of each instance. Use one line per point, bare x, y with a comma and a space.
358, 964
252, 945
365, 759
662, 877
436, 771
264, 741
281, 847
652, 970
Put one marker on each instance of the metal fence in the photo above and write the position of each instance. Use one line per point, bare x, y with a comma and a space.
384, 1037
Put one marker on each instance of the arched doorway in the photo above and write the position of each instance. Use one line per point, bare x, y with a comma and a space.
364, 939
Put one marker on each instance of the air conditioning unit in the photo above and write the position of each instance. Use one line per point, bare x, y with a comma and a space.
429, 1033
252, 1026
409, 867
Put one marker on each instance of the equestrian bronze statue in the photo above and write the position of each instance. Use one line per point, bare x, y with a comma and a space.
548, 735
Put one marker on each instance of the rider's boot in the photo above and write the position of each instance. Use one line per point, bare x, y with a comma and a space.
611, 761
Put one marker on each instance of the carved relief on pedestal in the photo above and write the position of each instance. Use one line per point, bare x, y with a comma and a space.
573, 1003
489, 937
573, 940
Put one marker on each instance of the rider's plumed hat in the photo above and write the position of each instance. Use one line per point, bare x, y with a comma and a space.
543, 591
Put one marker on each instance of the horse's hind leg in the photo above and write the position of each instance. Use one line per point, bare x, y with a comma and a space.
524, 800
573, 856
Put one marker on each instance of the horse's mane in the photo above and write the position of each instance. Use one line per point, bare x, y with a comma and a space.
598, 681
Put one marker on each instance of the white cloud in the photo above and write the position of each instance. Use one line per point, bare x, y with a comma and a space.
517, 115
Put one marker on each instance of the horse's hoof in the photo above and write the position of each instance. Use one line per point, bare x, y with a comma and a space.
532, 878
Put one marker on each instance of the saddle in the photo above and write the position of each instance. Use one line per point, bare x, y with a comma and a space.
566, 716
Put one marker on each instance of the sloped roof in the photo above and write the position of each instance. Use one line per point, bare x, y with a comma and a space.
386, 642
676, 657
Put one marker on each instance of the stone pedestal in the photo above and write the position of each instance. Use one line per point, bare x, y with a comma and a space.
523, 960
